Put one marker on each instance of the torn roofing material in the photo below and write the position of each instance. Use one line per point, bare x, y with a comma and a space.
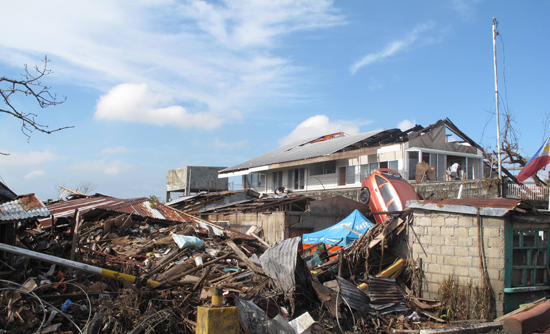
22, 208
279, 263
333, 143
356, 298
495, 207
304, 149
140, 207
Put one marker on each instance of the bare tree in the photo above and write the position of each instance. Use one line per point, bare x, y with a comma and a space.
510, 135
30, 84
86, 187
83, 188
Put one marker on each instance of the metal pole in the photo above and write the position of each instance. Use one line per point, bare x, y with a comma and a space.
74, 265
496, 97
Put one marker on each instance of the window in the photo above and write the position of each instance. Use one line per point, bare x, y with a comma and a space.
277, 179
296, 179
391, 200
426, 157
321, 168
254, 180
413, 160
528, 252
373, 166
350, 174
364, 172
393, 165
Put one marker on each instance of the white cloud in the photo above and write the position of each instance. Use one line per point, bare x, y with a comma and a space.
102, 166
27, 158
33, 174
392, 48
406, 124
319, 125
136, 103
114, 150
203, 57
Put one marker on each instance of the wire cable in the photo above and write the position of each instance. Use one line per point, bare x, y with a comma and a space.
39, 300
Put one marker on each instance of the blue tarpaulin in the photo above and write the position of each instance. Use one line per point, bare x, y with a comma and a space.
356, 221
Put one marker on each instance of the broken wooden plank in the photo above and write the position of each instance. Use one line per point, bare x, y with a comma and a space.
244, 258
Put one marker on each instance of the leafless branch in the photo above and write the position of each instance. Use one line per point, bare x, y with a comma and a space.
30, 85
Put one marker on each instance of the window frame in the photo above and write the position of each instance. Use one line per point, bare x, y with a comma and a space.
509, 265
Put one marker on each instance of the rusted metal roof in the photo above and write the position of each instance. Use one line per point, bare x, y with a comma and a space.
22, 208
496, 207
142, 207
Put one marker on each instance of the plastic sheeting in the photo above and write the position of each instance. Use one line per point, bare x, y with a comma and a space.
257, 322
355, 221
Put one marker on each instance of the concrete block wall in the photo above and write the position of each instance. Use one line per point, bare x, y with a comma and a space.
451, 245
471, 189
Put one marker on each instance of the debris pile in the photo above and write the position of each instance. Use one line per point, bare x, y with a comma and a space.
152, 275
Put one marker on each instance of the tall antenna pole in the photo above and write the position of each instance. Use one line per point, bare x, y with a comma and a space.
496, 98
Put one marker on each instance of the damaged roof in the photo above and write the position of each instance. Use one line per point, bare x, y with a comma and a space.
22, 208
495, 207
304, 149
141, 207
333, 143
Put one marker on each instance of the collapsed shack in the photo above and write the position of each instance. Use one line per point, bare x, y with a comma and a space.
274, 217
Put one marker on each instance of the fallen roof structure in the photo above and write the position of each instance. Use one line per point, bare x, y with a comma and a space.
97, 204
23, 207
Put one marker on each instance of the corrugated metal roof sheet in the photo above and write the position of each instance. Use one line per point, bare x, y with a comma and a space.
22, 208
356, 298
296, 151
279, 263
495, 207
136, 206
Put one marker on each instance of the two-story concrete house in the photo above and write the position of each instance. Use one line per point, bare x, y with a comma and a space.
339, 161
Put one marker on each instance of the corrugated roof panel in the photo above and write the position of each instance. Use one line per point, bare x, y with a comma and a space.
494, 207
356, 298
299, 151
22, 208
136, 206
279, 263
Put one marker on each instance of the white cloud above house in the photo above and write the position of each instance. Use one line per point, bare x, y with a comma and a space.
319, 125
34, 174
30, 158
137, 103
392, 48
406, 124
191, 63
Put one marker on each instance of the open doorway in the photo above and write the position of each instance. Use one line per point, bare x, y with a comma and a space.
455, 167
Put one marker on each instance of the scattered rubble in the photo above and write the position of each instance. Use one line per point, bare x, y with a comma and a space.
154, 274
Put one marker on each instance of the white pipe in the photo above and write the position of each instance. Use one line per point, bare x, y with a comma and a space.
73, 264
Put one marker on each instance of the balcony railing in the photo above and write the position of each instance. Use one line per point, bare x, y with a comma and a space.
527, 192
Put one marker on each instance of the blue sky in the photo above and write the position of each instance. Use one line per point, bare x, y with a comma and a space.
156, 85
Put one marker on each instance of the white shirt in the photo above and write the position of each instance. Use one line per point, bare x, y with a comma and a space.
454, 167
